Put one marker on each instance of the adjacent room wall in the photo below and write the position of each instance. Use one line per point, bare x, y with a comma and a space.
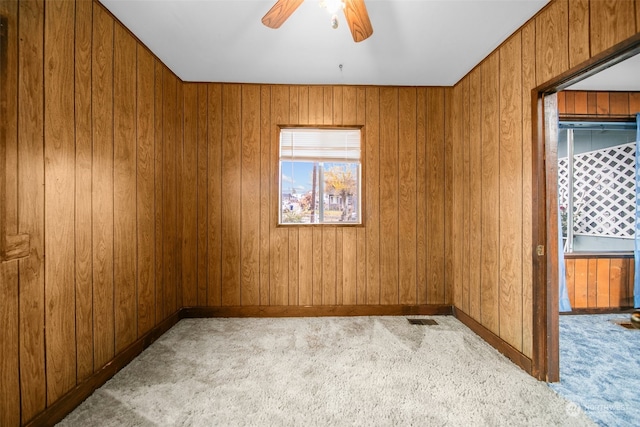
233, 252
598, 104
93, 138
491, 113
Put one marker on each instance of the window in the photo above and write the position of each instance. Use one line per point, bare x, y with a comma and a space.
320, 175
596, 185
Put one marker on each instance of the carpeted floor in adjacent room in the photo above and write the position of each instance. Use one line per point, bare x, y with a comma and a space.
600, 367
357, 371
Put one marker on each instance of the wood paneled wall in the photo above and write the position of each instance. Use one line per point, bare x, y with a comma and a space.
599, 281
491, 115
576, 103
147, 194
233, 252
93, 141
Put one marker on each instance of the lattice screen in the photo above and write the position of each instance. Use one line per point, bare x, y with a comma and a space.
604, 191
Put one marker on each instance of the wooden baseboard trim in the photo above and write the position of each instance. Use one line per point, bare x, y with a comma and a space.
495, 341
599, 310
316, 311
67, 403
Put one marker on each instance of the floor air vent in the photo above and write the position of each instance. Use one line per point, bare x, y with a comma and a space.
429, 322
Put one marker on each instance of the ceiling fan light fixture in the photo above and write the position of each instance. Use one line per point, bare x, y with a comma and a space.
355, 13
334, 21
332, 6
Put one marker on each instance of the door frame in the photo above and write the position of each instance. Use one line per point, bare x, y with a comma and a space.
546, 335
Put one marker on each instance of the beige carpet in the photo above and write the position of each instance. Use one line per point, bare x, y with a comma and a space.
362, 371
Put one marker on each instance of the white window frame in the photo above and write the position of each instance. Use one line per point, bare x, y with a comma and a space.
334, 145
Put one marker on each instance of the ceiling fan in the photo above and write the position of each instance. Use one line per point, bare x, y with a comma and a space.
355, 12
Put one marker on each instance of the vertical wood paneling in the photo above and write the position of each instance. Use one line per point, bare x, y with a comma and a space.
448, 127
329, 266
569, 101
552, 40
475, 190
466, 196
317, 272
83, 215
348, 274
81, 129
602, 103
592, 103
602, 282
9, 352
278, 244
528, 83
580, 286
629, 301
9, 363
491, 202
407, 195
612, 21
389, 181
215, 194
619, 103
70, 78
250, 219
435, 196
599, 282
372, 195
634, 102
421, 197
158, 202
124, 185
578, 32
561, 101
180, 196
458, 195
510, 191
592, 282
580, 103
265, 192
102, 187
361, 271
145, 186
169, 188
570, 272
189, 204
31, 208
203, 199
616, 275
231, 193
9, 295
59, 198
339, 266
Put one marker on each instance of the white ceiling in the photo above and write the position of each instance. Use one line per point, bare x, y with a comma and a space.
415, 42
624, 76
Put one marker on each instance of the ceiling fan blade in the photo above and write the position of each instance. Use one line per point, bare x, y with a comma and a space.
280, 12
358, 19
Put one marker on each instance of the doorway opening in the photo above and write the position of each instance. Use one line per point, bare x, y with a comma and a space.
546, 222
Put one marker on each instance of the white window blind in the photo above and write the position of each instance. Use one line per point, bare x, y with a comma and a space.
320, 144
